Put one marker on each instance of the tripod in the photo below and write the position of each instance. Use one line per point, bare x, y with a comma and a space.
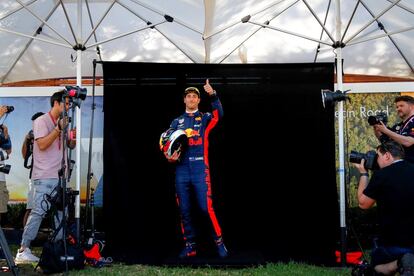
89, 195
91, 239
63, 194
7, 253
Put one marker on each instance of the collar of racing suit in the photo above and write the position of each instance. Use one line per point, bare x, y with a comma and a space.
191, 114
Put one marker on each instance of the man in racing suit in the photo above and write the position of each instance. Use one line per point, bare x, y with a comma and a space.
193, 170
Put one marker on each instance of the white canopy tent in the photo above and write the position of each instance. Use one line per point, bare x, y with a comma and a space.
60, 38
37, 37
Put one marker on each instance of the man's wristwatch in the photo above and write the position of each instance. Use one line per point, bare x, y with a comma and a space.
364, 174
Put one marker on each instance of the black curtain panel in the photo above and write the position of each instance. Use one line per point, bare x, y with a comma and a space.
272, 160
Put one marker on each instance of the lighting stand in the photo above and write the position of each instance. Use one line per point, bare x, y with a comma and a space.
6, 251
89, 196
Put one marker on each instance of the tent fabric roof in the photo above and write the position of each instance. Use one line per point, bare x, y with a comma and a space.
38, 37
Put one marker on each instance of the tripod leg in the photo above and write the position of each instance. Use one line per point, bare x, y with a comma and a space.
6, 250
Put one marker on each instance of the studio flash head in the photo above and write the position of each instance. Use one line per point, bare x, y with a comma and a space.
330, 97
75, 92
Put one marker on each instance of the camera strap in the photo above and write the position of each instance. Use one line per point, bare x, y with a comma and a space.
401, 130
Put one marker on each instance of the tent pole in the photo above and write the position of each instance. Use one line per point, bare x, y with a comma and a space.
78, 122
341, 169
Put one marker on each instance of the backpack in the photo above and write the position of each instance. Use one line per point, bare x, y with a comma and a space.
52, 259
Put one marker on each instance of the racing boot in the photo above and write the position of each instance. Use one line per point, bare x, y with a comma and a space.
221, 248
188, 251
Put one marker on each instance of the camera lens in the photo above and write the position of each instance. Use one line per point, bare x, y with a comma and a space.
356, 157
9, 108
370, 159
372, 120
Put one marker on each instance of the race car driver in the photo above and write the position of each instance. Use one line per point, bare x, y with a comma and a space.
192, 168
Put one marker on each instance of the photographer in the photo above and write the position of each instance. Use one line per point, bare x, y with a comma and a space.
402, 132
48, 151
27, 153
391, 188
5, 151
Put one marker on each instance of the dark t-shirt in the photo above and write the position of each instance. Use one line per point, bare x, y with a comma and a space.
405, 128
393, 189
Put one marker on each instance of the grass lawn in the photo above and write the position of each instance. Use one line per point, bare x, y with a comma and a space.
269, 269
121, 269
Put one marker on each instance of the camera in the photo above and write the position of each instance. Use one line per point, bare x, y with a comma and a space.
75, 92
29, 151
370, 159
9, 108
5, 168
380, 117
56, 197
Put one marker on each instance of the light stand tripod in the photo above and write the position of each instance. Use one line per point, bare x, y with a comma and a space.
63, 176
89, 197
65, 171
7, 254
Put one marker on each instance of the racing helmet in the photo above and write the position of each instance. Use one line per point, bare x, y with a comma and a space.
172, 140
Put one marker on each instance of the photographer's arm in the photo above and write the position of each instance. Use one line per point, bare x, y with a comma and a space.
364, 201
406, 141
377, 132
46, 141
3, 110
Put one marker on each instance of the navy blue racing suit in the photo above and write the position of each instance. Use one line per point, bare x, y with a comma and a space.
193, 171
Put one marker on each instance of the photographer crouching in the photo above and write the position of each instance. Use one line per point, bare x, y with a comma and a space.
5, 151
392, 189
402, 132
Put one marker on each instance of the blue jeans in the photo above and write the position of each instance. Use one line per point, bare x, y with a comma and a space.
387, 254
40, 207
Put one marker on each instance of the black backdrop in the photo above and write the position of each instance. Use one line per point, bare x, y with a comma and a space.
272, 160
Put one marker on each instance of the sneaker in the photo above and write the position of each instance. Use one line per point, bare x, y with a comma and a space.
188, 251
221, 248
406, 264
26, 256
